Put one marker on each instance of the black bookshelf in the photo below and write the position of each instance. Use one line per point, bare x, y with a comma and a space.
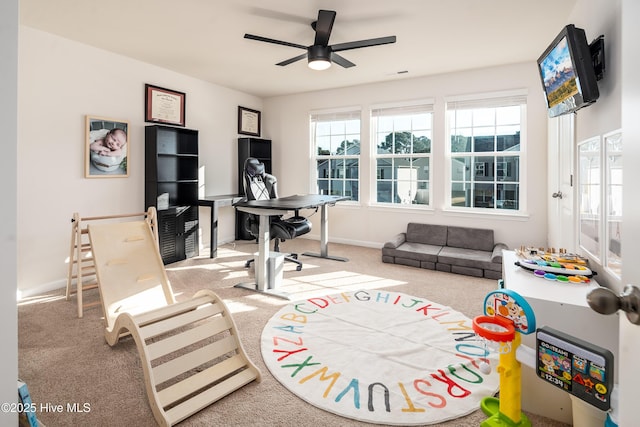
171, 186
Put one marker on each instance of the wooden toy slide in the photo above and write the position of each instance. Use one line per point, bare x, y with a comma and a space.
190, 351
81, 275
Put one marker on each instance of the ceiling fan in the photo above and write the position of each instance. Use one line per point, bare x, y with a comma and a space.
321, 54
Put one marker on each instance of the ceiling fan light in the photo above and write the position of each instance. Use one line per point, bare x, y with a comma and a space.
319, 64
319, 57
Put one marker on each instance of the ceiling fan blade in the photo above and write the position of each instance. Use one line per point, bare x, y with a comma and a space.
265, 39
292, 60
341, 60
280, 16
363, 43
323, 26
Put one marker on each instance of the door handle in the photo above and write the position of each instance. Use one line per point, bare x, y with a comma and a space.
557, 195
605, 301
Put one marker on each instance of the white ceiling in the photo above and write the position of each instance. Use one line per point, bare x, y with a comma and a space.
204, 38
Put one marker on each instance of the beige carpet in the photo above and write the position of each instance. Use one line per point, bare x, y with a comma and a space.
66, 361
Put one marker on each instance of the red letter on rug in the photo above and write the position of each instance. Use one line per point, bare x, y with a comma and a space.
451, 384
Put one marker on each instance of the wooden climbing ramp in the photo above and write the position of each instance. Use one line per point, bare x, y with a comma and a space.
190, 350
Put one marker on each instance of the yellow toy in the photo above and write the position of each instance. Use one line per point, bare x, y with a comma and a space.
507, 315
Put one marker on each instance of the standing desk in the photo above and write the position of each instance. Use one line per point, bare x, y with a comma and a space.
281, 206
215, 202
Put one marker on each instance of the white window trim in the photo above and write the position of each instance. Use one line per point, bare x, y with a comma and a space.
313, 170
605, 207
373, 156
491, 99
597, 141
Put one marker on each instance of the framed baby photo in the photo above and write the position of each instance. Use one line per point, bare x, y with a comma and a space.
106, 148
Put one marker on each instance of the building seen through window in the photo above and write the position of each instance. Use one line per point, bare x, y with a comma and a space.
403, 154
336, 138
485, 154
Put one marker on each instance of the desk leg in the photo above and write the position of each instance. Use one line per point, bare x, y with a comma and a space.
213, 241
324, 237
261, 267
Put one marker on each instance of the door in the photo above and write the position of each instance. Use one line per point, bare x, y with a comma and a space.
560, 216
630, 333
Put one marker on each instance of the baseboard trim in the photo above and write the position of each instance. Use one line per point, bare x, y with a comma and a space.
41, 289
363, 243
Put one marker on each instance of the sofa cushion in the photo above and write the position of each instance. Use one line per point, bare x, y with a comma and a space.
490, 274
465, 257
397, 240
467, 271
429, 234
409, 262
496, 255
470, 238
417, 251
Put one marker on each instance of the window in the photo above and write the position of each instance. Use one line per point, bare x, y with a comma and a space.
600, 200
335, 138
589, 196
402, 138
485, 152
613, 197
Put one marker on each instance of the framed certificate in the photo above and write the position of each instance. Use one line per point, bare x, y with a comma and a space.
248, 121
164, 106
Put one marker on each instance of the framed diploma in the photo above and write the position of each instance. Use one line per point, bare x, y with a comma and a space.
164, 105
248, 121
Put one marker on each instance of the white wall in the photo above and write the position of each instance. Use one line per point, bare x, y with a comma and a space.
598, 17
288, 124
8, 229
60, 82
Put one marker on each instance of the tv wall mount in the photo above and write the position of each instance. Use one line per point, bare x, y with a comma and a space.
596, 48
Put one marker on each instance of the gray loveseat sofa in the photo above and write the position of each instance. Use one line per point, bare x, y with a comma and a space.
462, 250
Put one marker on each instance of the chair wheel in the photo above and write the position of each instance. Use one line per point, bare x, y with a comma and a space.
247, 264
298, 268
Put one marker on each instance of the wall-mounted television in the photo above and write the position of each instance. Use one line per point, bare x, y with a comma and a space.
567, 72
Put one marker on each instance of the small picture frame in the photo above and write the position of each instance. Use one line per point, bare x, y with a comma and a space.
248, 121
106, 148
164, 106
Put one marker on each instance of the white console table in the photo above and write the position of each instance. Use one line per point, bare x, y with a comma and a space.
562, 306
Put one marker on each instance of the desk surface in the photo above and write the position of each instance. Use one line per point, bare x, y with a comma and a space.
306, 201
220, 200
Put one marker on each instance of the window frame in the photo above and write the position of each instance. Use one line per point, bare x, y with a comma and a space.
601, 250
612, 260
346, 114
589, 151
487, 101
400, 109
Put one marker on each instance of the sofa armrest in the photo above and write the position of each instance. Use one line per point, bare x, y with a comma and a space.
496, 255
397, 240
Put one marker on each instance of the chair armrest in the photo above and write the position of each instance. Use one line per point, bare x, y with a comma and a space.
496, 255
397, 240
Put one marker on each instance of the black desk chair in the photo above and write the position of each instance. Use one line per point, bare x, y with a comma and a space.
259, 185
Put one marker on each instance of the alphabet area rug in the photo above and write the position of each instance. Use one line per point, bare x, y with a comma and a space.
379, 357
